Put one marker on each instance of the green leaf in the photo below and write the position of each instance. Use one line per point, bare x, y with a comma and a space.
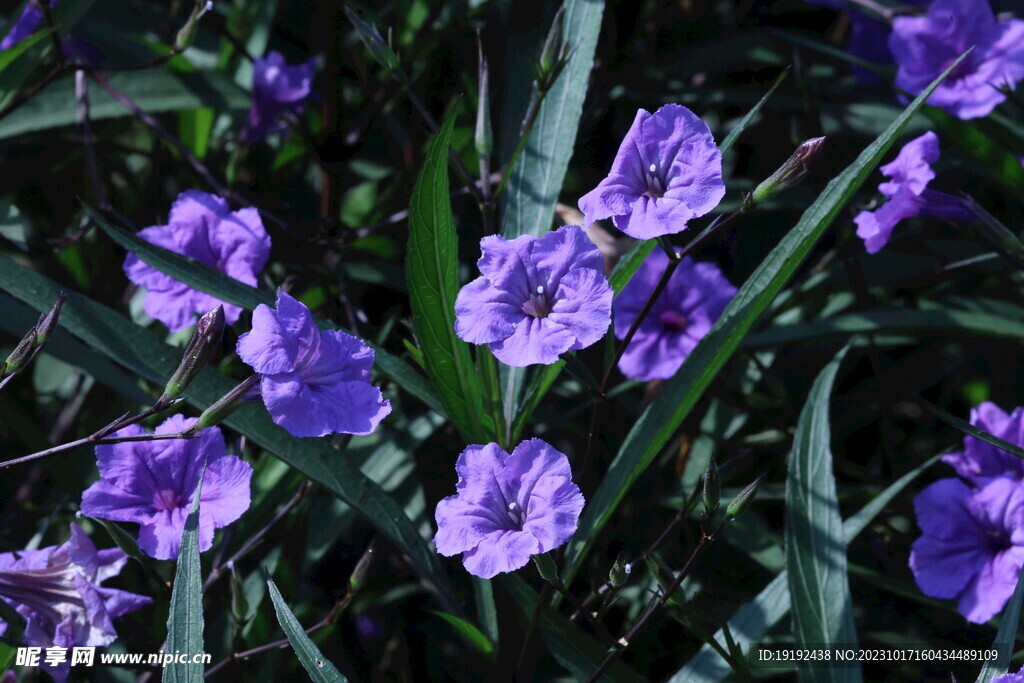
751, 622
970, 430
210, 280
21, 47
574, 649
469, 633
185, 620
679, 395
1009, 624
195, 127
312, 660
154, 90
815, 542
993, 156
138, 350
432, 273
537, 176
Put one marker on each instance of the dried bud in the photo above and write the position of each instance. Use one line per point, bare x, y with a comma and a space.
239, 605
1001, 237
188, 32
48, 321
712, 486
555, 54
620, 571
204, 343
483, 137
743, 498
788, 175
374, 42
358, 577
225, 405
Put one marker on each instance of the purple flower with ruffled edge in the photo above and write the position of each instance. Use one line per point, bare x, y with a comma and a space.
152, 483
1010, 678
908, 195
313, 383
924, 47
980, 462
27, 22
277, 89
203, 227
508, 507
667, 171
57, 590
972, 547
537, 297
694, 298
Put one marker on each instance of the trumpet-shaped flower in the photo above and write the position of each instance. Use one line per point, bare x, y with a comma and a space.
152, 483
907, 194
313, 383
667, 171
57, 590
980, 462
508, 508
925, 46
694, 298
202, 227
537, 297
277, 88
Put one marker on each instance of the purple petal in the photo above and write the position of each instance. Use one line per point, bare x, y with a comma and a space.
583, 306
225, 494
499, 552
484, 313
534, 341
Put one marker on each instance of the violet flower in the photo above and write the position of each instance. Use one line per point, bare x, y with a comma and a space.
908, 195
152, 483
203, 227
508, 507
925, 46
980, 462
57, 590
277, 89
694, 298
313, 383
972, 547
1010, 678
537, 297
26, 23
668, 170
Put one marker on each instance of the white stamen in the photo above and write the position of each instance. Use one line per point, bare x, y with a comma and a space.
540, 289
653, 168
511, 506
628, 568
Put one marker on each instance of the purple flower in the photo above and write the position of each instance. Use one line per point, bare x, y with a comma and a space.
980, 462
908, 195
30, 18
972, 547
57, 590
277, 88
151, 483
313, 383
1010, 678
668, 170
202, 227
508, 507
925, 46
537, 297
695, 297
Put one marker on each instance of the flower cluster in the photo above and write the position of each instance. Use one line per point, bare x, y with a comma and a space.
907, 194
925, 46
203, 227
694, 298
313, 383
537, 297
972, 543
58, 591
508, 507
152, 483
277, 89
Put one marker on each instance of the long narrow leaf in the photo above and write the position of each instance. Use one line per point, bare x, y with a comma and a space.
1006, 636
751, 622
185, 621
679, 395
815, 543
309, 655
432, 272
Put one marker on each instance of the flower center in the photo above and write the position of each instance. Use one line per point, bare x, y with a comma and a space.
515, 515
673, 321
655, 188
998, 541
537, 306
166, 500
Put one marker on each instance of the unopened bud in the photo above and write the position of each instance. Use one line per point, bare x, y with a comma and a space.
483, 137
48, 321
239, 604
188, 32
547, 569
620, 571
788, 175
362, 569
21, 354
555, 53
712, 486
743, 498
225, 405
204, 343
374, 42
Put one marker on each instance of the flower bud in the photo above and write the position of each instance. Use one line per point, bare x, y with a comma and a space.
374, 42
204, 343
547, 569
48, 321
743, 498
555, 54
225, 405
712, 486
483, 137
188, 32
358, 577
620, 571
787, 175
21, 354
